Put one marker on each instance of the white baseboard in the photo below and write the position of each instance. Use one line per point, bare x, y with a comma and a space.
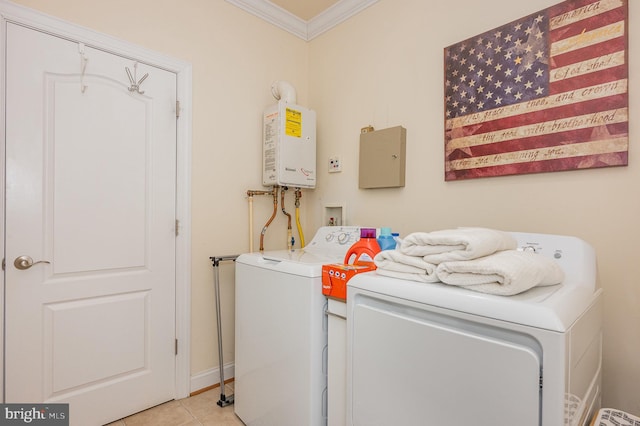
211, 377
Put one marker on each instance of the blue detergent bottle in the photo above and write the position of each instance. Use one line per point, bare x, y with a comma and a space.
386, 240
396, 238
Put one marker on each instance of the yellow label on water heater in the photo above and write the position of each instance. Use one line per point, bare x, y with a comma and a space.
293, 123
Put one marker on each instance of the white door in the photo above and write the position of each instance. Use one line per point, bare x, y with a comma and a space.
91, 191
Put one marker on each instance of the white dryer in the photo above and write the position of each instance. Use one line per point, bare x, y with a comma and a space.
434, 354
281, 331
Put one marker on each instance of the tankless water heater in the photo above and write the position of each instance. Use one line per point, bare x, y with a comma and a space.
289, 146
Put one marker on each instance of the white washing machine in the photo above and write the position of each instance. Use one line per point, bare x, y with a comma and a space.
434, 354
281, 331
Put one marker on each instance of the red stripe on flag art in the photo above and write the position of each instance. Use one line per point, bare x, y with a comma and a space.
547, 92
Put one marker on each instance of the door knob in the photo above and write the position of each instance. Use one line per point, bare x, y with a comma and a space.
26, 262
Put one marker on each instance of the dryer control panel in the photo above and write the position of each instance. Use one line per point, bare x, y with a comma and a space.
575, 256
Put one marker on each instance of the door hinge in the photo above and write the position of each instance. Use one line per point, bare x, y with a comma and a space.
177, 109
176, 349
3, 264
177, 227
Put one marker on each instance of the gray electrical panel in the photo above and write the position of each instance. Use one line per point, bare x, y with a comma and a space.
382, 158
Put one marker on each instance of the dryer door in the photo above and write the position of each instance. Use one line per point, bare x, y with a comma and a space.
415, 364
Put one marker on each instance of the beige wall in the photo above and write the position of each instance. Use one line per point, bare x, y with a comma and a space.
384, 68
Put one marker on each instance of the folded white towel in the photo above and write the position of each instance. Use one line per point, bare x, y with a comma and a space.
456, 244
394, 260
412, 276
505, 273
393, 263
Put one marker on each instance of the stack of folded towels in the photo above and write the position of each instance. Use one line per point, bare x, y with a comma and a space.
480, 259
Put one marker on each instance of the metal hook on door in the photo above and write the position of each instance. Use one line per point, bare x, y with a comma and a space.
133, 79
83, 66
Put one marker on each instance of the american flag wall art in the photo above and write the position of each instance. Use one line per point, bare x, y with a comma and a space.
544, 93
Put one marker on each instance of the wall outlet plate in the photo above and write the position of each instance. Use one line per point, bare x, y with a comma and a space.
335, 165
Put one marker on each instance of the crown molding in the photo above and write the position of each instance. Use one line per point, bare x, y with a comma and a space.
274, 15
306, 30
339, 12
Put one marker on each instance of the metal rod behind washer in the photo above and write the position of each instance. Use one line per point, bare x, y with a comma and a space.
224, 400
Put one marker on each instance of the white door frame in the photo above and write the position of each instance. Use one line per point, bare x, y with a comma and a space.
10, 12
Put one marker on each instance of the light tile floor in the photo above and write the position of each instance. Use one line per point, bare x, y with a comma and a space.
198, 410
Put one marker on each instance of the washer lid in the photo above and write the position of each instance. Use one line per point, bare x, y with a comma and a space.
329, 245
297, 262
301, 256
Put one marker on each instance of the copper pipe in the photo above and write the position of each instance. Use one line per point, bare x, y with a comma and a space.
290, 240
273, 215
250, 222
250, 195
